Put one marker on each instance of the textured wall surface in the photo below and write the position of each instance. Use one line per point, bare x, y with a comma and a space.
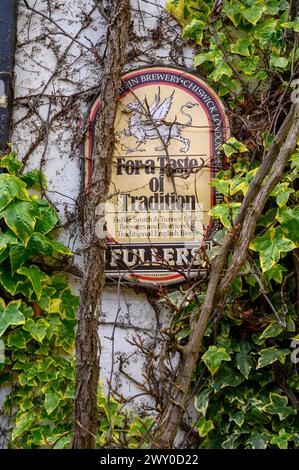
57, 76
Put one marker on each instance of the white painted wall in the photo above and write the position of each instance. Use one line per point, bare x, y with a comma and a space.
41, 76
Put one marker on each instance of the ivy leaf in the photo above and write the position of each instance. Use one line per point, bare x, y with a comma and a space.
23, 422
213, 358
271, 246
232, 145
244, 361
225, 212
221, 70
226, 377
33, 177
276, 273
10, 315
176, 7
282, 193
278, 406
248, 65
35, 276
201, 401
270, 355
20, 219
265, 32
254, 13
11, 188
238, 417
12, 165
37, 329
69, 304
46, 217
281, 439
204, 426
277, 61
52, 400
271, 331
292, 25
16, 338
259, 441
17, 255
38, 244
7, 279
272, 7
59, 247
233, 11
194, 31
289, 220
7, 238
242, 47
222, 185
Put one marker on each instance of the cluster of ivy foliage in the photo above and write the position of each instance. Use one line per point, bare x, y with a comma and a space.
248, 379
37, 325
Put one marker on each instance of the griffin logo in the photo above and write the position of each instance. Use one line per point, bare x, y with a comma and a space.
148, 123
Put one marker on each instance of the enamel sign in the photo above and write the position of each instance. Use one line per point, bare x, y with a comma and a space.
169, 128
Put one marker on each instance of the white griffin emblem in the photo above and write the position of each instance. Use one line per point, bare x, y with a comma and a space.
148, 123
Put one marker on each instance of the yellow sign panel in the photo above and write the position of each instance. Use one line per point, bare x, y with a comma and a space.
169, 128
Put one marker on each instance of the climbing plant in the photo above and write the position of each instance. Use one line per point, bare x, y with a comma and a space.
245, 380
247, 395
37, 325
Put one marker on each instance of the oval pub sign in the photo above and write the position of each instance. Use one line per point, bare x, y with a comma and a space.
169, 127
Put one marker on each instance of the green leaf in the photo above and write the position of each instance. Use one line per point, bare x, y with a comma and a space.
17, 255
7, 238
204, 426
10, 315
272, 7
242, 47
226, 377
32, 178
271, 246
221, 70
292, 25
52, 400
271, 331
248, 65
289, 220
225, 212
35, 276
276, 273
59, 247
238, 417
232, 145
16, 338
176, 7
20, 219
277, 61
259, 441
254, 13
11, 187
244, 361
194, 31
270, 355
233, 10
10, 162
201, 401
37, 329
214, 357
46, 216
281, 439
278, 405
222, 185
23, 423
282, 193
